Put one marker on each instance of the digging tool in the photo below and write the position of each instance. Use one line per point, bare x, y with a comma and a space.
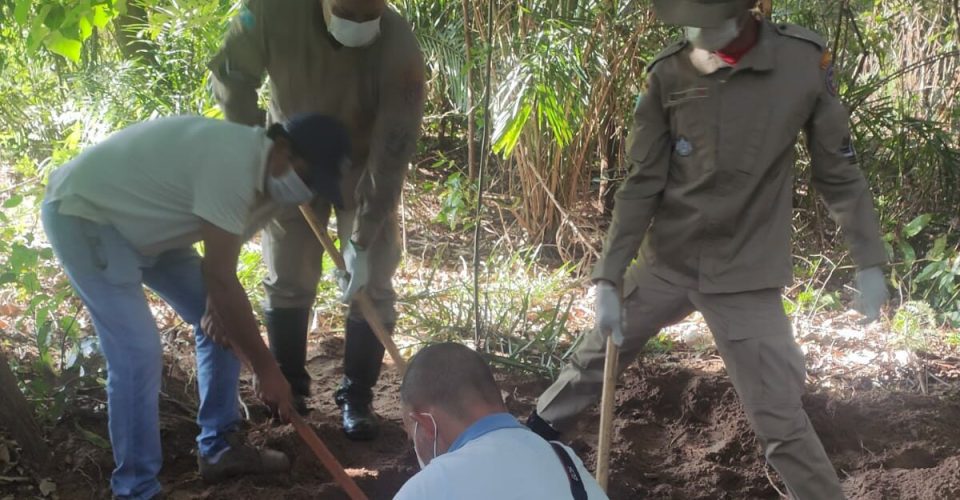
326, 458
361, 299
319, 449
606, 412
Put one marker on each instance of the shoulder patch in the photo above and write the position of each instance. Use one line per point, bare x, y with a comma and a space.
247, 21
671, 49
801, 33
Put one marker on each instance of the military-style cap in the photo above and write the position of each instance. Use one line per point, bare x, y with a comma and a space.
699, 13
324, 143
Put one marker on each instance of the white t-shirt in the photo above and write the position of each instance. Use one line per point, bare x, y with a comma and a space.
504, 464
156, 181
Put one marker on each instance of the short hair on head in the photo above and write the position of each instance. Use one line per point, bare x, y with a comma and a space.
451, 376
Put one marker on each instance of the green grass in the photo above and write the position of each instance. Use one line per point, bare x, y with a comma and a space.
524, 309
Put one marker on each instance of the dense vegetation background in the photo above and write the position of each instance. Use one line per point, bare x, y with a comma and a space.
528, 105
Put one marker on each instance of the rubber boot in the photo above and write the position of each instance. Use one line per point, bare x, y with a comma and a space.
362, 359
287, 333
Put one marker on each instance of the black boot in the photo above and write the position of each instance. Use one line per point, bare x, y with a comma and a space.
287, 332
541, 427
362, 357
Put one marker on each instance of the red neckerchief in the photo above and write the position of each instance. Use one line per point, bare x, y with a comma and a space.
732, 57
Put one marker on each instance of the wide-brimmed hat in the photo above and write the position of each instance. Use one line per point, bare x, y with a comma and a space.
699, 13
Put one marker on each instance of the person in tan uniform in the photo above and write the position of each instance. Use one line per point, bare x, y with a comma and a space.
356, 60
707, 202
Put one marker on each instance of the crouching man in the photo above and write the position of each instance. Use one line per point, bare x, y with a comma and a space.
126, 213
469, 446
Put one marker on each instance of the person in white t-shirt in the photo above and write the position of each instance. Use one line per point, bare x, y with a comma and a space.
126, 213
467, 444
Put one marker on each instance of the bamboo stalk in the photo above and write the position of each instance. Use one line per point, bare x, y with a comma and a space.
471, 127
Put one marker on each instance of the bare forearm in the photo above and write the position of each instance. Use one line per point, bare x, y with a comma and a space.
239, 103
229, 301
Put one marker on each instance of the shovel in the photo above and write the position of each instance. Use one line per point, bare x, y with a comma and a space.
361, 299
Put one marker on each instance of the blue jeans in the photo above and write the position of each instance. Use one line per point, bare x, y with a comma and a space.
108, 274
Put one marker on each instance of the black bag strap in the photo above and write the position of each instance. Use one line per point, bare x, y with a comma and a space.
576, 482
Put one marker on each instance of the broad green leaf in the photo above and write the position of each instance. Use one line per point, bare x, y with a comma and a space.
939, 245
101, 16
13, 201
21, 10
916, 225
85, 28
909, 255
21, 258
38, 30
59, 44
54, 19
930, 271
889, 248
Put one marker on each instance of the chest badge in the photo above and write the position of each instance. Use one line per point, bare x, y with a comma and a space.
682, 146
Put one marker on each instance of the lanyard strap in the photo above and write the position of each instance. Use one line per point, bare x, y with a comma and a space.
576, 482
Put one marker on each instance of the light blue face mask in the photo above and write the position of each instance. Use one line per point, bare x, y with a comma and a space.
288, 188
416, 427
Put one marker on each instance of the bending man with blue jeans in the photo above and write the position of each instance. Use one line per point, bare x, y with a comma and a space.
126, 213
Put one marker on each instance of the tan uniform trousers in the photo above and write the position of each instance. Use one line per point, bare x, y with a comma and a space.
765, 364
293, 257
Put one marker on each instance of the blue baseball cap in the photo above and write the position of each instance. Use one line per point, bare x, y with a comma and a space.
324, 143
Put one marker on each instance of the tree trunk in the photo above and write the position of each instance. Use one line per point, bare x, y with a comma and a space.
125, 27
471, 132
16, 415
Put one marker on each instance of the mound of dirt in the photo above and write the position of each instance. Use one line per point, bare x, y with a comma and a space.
680, 433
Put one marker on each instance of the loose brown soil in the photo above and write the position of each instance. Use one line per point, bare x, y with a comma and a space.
680, 434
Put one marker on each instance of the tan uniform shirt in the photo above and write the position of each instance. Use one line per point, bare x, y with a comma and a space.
377, 91
710, 184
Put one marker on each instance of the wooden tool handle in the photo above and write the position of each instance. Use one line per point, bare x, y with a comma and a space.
362, 300
327, 459
319, 449
321, 234
606, 413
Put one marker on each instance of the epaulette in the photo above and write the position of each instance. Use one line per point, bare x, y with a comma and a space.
801, 33
671, 49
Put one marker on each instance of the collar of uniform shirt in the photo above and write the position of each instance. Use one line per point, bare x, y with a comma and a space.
761, 57
483, 426
731, 57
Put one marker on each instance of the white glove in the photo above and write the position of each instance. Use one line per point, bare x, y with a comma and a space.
871, 293
609, 312
358, 269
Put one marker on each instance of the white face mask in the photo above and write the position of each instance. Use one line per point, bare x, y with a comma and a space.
353, 34
716, 38
288, 188
416, 427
